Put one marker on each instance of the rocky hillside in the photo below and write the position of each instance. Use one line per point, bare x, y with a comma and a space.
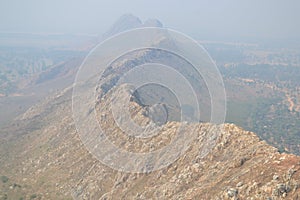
42, 155
48, 160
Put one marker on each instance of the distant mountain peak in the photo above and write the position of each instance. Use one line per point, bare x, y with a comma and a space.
152, 23
129, 21
125, 22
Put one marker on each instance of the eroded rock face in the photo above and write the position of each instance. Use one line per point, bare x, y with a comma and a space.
222, 161
158, 113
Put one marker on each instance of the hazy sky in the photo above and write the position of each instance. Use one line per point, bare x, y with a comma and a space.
215, 18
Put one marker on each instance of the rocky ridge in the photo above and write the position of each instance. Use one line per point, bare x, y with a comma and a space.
43, 157
52, 163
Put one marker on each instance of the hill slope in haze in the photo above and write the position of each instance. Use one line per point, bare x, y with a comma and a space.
42, 155
48, 160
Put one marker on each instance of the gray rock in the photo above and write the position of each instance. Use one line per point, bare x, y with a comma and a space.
232, 192
240, 184
275, 177
158, 113
283, 188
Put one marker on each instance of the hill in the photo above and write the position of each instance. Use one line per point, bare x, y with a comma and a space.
45, 158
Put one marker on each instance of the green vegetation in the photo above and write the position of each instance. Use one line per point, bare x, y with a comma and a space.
266, 109
4, 197
238, 112
4, 179
276, 74
33, 196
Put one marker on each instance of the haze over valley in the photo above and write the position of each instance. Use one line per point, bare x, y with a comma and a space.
164, 100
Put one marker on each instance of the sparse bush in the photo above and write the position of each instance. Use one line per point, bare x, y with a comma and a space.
33, 196
4, 197
4, 179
